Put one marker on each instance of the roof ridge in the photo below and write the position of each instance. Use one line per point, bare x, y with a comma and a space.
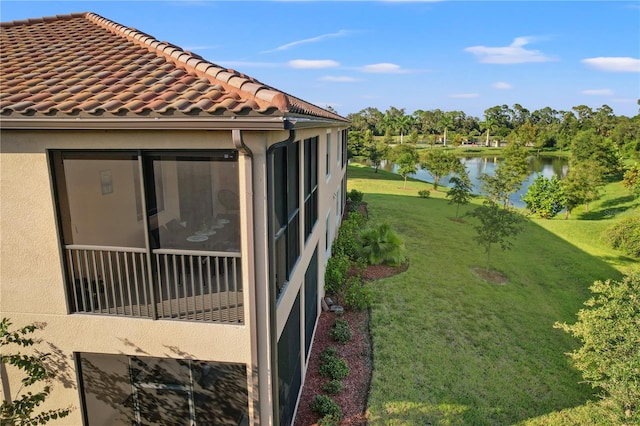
230, 79
41, 20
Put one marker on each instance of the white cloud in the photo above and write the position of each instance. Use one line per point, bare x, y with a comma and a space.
605, 92
502, 85
383, 68
464, 95
515, 53
614, 64
313, 64
338, 79
340, 33
232, 64
194, 48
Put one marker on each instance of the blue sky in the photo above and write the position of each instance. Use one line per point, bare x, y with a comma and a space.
451, 55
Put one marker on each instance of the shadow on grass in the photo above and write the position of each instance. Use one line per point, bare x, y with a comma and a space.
450, 350
610, 208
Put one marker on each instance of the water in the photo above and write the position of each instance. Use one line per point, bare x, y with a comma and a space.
476, 166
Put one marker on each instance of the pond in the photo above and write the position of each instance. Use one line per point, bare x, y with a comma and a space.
476, 166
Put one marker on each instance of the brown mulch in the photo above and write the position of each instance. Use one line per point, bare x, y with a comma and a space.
358, 354
491, 275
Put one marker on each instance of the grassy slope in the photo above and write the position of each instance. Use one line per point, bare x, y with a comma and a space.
451, 349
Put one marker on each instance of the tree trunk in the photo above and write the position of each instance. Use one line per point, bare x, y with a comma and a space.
488, 256
457, 208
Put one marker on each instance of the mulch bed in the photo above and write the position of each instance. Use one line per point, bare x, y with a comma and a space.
358, 354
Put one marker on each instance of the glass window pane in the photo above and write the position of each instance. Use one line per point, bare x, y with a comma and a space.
119, 389
99, 201
200, 203
289, 365
293, 178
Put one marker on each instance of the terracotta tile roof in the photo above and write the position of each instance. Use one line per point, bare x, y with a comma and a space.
84, 64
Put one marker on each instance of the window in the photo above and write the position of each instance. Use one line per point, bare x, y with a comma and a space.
344, 147
327, 235
310, 185
284, 206
310, 300
289, 365
328, 159
121, 212
339, 148
121, 389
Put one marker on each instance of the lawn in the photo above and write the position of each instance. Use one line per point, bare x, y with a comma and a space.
452, 349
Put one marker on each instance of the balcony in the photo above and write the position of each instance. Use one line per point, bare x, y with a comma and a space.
151, 234
183, 284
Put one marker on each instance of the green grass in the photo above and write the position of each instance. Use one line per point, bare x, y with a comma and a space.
452, 349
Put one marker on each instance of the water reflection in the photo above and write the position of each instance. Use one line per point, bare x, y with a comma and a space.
476, 166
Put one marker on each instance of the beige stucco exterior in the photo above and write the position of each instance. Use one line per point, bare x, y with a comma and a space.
32, 283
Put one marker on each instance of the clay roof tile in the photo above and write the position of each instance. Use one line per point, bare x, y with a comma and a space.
66, 64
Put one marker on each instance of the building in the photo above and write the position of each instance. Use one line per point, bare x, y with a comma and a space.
169, 221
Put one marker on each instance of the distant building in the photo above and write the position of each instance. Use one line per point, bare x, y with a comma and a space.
168, 219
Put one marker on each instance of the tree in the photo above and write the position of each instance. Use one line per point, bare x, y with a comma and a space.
376, 152
497, 226
21, 409
406, 166
631, 180
406, 157
610, 335
545, 197
589, 146
439, 163
582, 184
460, 192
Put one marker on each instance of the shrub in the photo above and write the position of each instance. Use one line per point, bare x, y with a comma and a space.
333, 387
423, 193
357, 295
340, 331
610, 336
329, 421
326, 406
625, 236
381, 245
335, 369
328, 354
334, 277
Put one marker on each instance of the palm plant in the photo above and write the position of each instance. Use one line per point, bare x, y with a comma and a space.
381, 245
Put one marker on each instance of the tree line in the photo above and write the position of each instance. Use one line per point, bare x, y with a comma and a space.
541, 128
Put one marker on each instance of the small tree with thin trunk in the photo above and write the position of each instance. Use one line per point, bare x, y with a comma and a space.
460, 192
497, 226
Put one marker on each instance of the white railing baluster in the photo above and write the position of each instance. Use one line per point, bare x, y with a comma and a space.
114, 273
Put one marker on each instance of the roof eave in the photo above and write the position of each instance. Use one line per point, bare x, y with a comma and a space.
287, 122
143, 123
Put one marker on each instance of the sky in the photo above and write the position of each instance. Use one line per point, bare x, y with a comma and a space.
418, 55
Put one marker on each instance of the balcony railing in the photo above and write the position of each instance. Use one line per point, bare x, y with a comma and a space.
183, 284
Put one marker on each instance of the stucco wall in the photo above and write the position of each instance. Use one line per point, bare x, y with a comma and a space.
31, 272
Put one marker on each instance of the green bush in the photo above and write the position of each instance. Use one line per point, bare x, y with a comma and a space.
340, 331
333, 387
381, 245
423, 193
326, 406
329, 421
357, 295
336, 273
625, 236
328, 354
355, 196
335, 369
